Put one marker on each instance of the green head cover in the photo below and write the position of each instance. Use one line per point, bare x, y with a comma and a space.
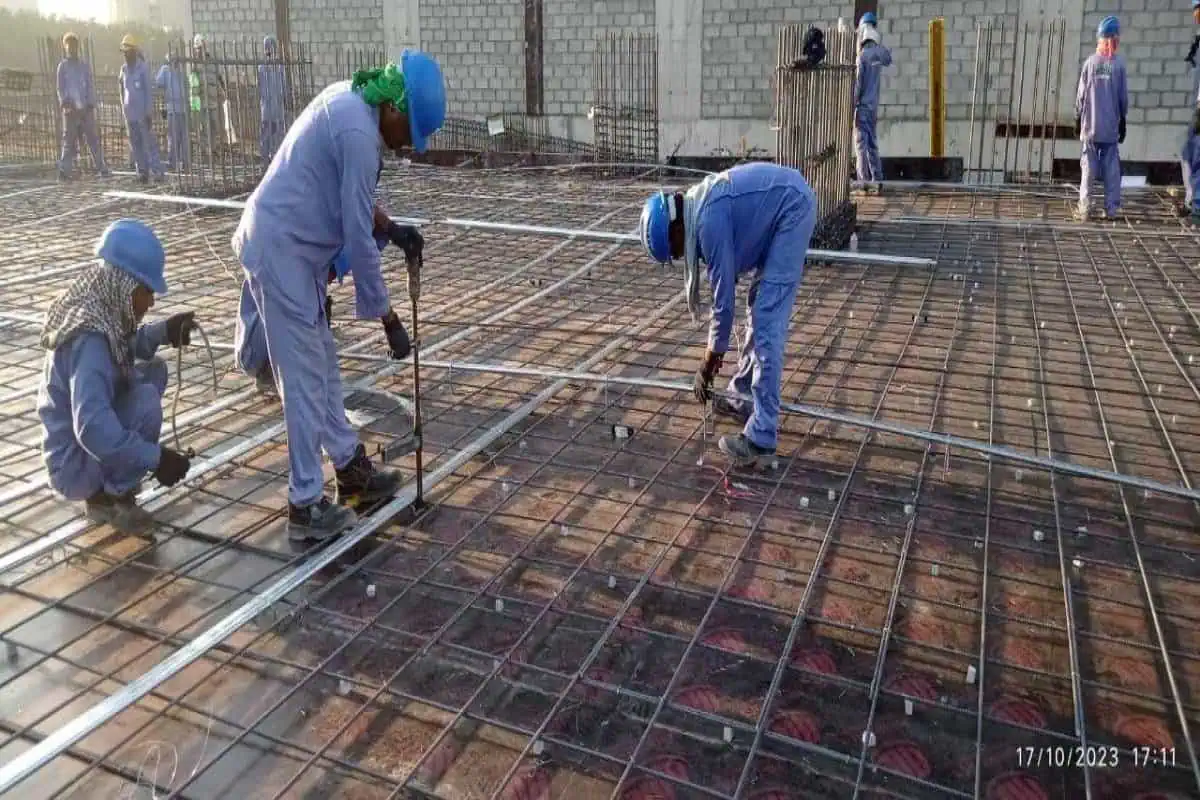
384, 85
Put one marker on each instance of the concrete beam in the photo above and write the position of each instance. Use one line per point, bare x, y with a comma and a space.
680, 27
401, 25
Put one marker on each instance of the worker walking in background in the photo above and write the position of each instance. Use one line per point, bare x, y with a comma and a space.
1101, 105
272, 89
207, 89
77, 98
316, 199
754, 219
100, 399
138, 104
872, 58
171, 81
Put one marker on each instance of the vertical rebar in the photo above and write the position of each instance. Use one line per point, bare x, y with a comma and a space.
974, 99
1033, 100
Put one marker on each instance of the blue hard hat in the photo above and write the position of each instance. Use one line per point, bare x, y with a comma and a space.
131, 246
655, 226
1109, 27
869, 18
426, 94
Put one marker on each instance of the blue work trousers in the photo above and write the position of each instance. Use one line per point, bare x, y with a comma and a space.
249, 336
79, 125
304, 361
178, 153
866, 148
270, 136
764, 338
1189, 161
138, 406
1102, 162
145, 147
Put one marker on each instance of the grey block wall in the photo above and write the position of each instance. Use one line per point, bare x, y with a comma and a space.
481, 47
233, 20
570, 29
739, 50
331, 27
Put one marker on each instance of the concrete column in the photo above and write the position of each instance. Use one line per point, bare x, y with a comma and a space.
680, 27
401, 25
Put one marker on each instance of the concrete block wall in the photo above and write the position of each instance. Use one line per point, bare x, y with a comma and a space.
334, 29
570, 30
233, 20
481, 47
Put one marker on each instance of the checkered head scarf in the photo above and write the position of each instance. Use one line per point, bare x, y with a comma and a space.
99, 301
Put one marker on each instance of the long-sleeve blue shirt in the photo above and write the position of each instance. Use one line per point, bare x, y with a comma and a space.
317, 198
1102, 100
76, 402
871, 61
171, 81
135, 91
271, 90
735, 228
75, 83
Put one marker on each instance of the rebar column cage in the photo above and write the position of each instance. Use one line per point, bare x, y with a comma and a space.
625, 98
814, 121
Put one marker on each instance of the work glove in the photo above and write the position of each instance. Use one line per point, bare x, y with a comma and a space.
408, 239
328, 311
179, 329
702, 384
172, 467
1196, 122
1121, 131
1078, 126
397, 336
1191, 56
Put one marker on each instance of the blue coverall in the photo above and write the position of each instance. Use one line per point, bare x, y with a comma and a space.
316, 198
271, 91
1101, 103
172, 82
101, 431
760, 220
871, 61
77, 97
137, 103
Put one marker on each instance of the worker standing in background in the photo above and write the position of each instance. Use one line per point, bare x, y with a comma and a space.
872, 58
138, 104
100, 399
316, 199
1101, 105
752, 219
77, 98
207, 90
170, 80
272, 88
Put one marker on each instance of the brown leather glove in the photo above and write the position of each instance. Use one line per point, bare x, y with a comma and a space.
702, 384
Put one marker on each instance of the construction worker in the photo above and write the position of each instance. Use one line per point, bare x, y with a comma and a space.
1190, 154
272, 89
872, 58
316, 199
754, 219
1101, 104
867, 20
206, 87
137, 102
171, 80
77, 97
100, 399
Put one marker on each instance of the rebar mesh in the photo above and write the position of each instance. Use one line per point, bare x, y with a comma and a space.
625, 98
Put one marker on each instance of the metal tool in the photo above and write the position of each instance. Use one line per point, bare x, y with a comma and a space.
414, 294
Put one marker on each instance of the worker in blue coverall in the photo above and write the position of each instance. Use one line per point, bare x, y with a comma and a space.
1101, 105
138, 104
1189, 158
754, 219
867, 20
316, 199
872, 58
172, 81
77, 97
272, 88
100, 399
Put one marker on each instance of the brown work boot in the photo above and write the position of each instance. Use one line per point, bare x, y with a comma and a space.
121, 512
361, 485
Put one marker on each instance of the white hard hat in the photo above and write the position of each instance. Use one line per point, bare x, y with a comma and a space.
868, 33
198, 40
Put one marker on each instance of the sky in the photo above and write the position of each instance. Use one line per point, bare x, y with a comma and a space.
79, 9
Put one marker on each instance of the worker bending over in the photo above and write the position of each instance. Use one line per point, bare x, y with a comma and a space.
138, 104
754, 219
100, 399
872, 58
316, 199
1101, 105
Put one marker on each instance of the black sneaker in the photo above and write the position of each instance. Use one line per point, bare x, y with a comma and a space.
121, 512
319, 521
724, 407
744, 452
360, 484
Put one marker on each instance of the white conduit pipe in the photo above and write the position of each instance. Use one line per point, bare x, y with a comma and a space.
28, 762
840, 256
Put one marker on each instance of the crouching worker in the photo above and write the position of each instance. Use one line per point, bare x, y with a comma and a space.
755, 219
316, 200
100, 400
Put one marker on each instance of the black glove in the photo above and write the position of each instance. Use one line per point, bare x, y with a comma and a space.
173, 467
408, 239
179, 329
1191, 56
397, 336
702, 384
1121, 131
328, 311
1196, 122
1078, 125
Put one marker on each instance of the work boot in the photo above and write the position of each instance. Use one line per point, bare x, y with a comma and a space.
361, 485
264, 380
121, 512
1081, 214
744, 452
319, 521
724, 407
